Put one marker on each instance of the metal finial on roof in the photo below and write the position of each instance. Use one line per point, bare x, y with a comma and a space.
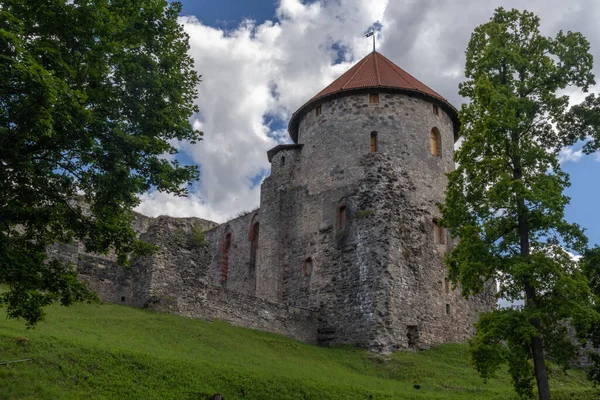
372, 33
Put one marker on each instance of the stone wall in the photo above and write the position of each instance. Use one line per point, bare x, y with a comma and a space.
180, 278
234, 268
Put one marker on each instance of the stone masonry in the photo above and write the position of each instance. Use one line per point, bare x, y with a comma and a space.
344, 247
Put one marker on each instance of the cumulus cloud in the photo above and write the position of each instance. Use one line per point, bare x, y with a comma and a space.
256, 75
569, 155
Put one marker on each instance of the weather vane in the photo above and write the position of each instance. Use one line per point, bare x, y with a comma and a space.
372, 33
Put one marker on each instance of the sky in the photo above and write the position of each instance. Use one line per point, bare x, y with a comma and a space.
260, 60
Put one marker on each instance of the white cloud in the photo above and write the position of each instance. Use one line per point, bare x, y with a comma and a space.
569, 155
156, 203
259, 71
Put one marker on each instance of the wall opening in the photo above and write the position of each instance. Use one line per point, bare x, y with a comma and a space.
373, 142
446, 285
412, 333
435, 142
307, 267
282, 161
447, 309
374, 98
254, 244
341, 220
318, 110
122, 299
439, 233
224, 259
436, 111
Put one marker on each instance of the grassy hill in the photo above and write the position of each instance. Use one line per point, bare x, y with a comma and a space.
116, 352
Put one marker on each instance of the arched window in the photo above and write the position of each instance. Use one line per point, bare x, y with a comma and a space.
227, 242
224, 259
341, 222
373, 142
254, 244
435, 142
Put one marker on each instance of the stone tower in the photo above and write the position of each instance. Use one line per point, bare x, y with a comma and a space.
348, 215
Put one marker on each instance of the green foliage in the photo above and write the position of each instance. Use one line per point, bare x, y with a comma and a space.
92, 94
364, 213
198, 236
505, 200
116, 352
141, 249
582, 122
590, 265
504, 337
190, 240
179, 237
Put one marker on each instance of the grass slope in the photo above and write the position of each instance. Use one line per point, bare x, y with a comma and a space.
116, 352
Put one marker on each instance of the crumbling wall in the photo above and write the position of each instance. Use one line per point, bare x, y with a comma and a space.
234, 267
179, 277
181, 260
113, 283
209, 302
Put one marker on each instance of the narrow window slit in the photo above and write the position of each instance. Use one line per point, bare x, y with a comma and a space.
435, 142
373, 142
342, 218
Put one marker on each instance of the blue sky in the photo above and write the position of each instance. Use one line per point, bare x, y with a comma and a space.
229, 13
255, 74
584, 193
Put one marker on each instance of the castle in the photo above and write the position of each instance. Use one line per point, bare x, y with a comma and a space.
345, 247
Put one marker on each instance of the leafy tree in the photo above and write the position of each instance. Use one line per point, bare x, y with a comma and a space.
92, 94
590, 265
505, 199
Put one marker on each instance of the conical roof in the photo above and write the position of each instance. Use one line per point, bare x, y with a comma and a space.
373, 72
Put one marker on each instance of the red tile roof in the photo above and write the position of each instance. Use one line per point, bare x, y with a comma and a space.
377, 72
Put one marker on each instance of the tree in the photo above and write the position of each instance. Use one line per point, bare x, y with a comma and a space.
92, 95
505, 199
590, 265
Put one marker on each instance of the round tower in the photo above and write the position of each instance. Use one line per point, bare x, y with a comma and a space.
350, 212
377, 107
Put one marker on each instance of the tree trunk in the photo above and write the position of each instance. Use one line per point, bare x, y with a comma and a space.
537, 351
537, 347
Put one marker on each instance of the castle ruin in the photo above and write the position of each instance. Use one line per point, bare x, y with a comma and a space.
345, 247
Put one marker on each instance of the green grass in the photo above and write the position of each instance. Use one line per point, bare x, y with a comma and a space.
116, 352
